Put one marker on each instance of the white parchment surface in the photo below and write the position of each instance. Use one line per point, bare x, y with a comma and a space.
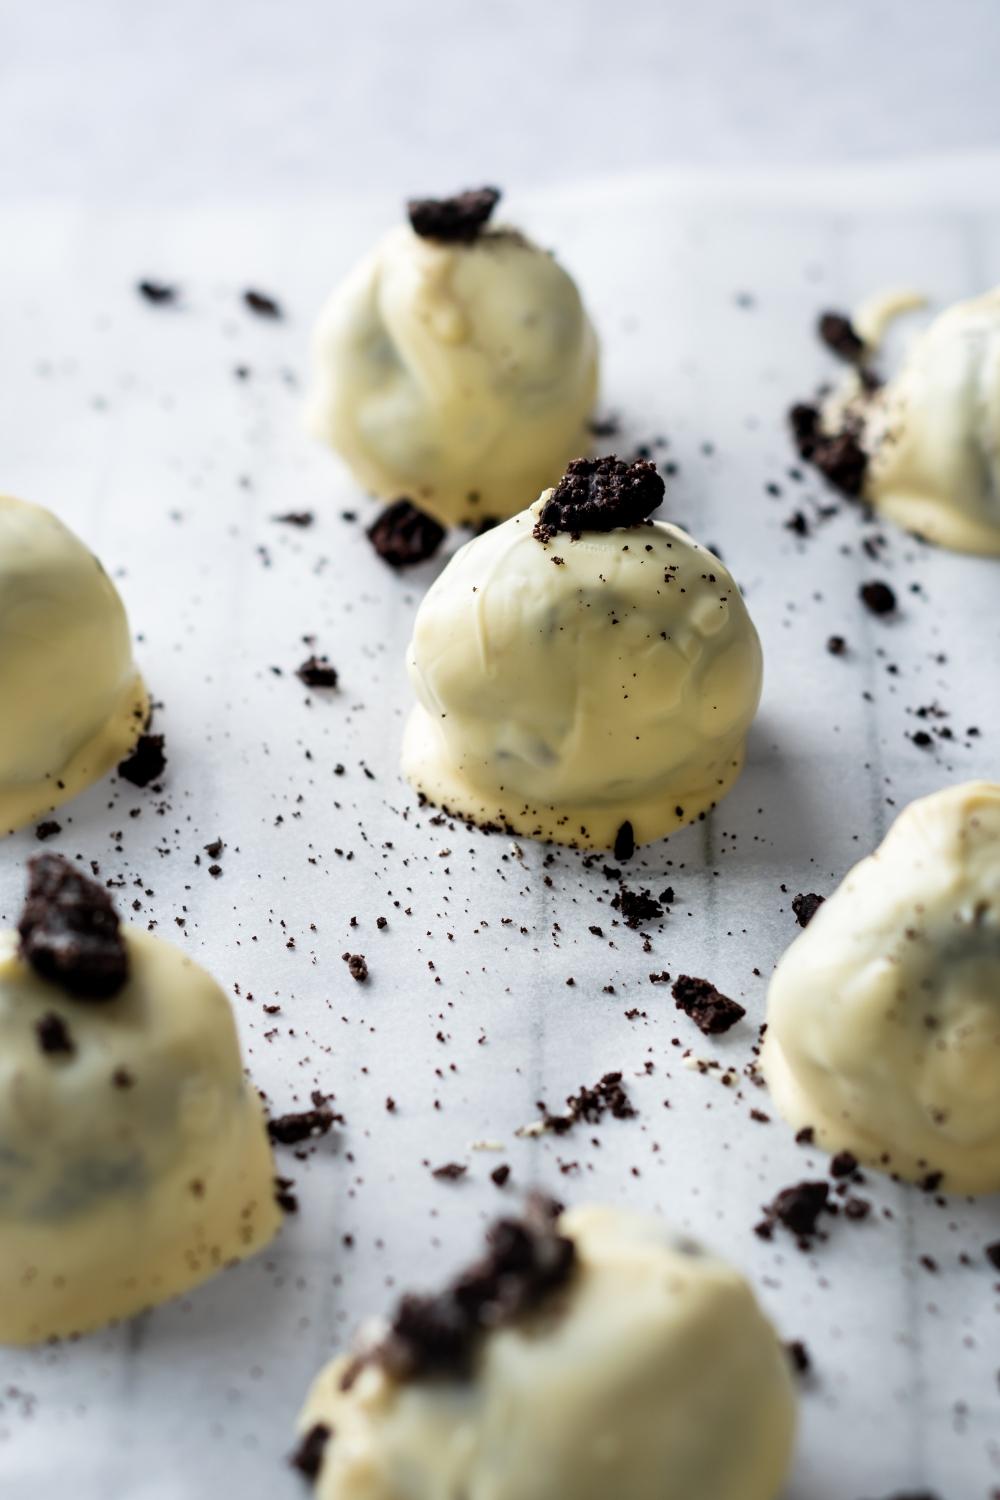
169, 437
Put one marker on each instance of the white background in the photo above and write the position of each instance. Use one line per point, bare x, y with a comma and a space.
216, 98
217, 146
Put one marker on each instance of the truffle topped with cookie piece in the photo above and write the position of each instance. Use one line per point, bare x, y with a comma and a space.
587, 1354
134, 1161
456, 366
583, 673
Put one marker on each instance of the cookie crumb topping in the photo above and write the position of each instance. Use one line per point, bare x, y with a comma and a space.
600, 494
525, 1261
456, 220
70, 932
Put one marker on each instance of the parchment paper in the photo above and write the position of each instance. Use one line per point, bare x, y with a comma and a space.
131, 422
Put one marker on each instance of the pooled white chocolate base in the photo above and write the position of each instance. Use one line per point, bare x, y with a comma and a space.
582, 825
72, 704
563, 698
884, 1015
653, 1375
458, 376
133, 1168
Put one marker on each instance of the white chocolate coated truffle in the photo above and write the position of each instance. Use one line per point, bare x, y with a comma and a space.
564, 689
653, 1375
884, 1015
71, 701
933, 433
460, 376
133, 1166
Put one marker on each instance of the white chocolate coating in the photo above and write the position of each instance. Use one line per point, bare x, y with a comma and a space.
458, 376
884, 1015
114, 1198
71, 701
562, 699
933, 433
653, 1375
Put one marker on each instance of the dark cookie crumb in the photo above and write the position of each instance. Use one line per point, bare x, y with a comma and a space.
47, 830
799, 1356
500, 1175
841, 337
836, 645
403, 536
877, 597
308, 1456
993, 1254
54, 1035
608, 1096
317, 672
284, 1197
592, 1103
357, 966
798, 1210
263, 305
805, 906
307, 1125
636, 907
600, 494
710, 1010
844, 1164
70, 932
526, 1260
147, 761
838, 456
300, 518
456, 220
451, 1171
624, 842
160, 293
